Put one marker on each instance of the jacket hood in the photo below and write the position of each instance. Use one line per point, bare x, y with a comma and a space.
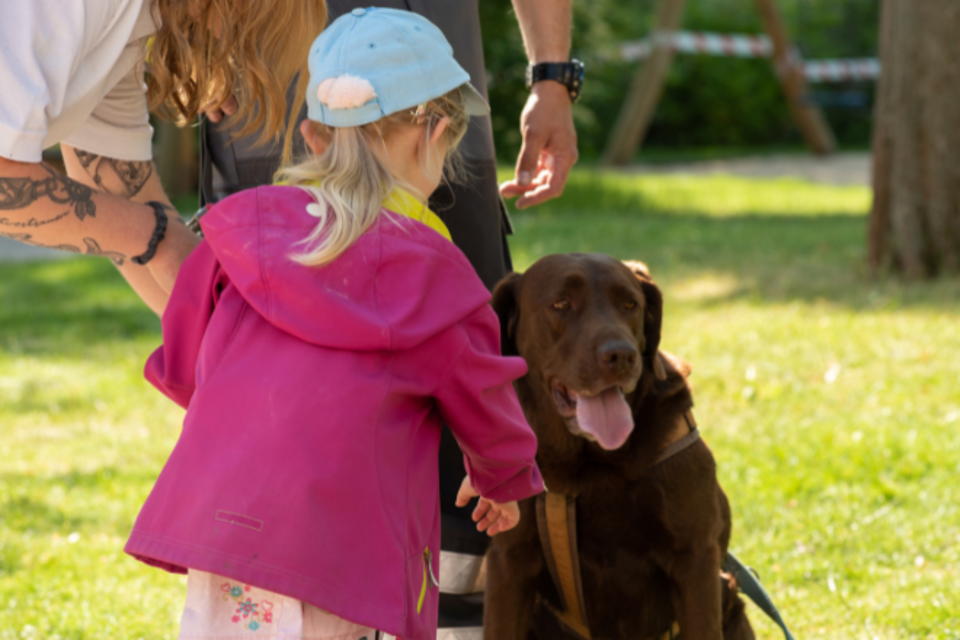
399, 284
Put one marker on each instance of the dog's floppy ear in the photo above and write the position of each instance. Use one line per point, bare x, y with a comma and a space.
675, 363
653, 317
652, 321
639, 269
507, 307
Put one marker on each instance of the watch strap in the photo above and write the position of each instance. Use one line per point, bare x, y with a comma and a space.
569, 74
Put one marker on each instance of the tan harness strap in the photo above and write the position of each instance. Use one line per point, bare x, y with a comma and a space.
562, 527
557, 525
556, 521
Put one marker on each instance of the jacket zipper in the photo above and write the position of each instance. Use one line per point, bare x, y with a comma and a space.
427, 576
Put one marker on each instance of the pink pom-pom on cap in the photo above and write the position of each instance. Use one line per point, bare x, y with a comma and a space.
345, 92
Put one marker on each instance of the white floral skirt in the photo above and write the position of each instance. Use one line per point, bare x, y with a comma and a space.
219, 608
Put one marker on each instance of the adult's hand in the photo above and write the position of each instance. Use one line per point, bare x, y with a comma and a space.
217, 113
549, 148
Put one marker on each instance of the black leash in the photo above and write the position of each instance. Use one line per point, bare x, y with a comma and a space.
749, 583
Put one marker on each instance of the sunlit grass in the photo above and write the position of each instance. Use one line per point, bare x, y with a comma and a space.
829, 397
82, 437
830, 401
711, 196
837, 441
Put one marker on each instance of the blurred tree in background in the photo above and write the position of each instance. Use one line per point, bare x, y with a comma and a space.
915, 221
708, 101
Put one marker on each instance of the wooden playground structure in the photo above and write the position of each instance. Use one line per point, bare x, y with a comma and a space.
792, 73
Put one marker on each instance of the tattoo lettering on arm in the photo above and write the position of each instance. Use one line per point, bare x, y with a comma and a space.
32, 222
93, 247
20, 193
118, 177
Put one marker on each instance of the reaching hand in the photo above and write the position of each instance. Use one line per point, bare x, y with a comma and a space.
216, 114
492, 517
549, 146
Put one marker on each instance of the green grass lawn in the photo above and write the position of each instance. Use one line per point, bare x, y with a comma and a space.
829, 398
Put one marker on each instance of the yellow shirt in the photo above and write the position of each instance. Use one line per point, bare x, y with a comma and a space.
403, 202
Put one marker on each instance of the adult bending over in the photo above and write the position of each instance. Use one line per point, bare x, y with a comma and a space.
73, 74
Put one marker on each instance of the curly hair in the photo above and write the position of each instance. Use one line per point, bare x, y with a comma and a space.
205, 51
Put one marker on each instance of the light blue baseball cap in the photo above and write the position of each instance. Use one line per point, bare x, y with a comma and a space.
374, 62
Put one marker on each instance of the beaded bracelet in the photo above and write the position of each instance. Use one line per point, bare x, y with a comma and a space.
158, 234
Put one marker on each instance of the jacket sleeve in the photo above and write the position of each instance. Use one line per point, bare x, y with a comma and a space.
173, 367
477, 400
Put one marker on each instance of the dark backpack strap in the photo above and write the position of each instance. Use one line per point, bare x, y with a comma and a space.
206, 166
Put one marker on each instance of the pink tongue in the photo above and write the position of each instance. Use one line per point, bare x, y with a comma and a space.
606, 417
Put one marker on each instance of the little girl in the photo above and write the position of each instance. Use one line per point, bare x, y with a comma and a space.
319, 337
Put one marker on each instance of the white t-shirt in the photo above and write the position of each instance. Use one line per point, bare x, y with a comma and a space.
72, 71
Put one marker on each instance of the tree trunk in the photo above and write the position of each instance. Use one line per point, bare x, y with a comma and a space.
645, 90
786, 64
915, 220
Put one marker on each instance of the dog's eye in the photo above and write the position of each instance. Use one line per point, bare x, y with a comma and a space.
561, 305
631, 305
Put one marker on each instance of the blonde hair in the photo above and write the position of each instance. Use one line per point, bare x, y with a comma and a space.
352, 182
261, 48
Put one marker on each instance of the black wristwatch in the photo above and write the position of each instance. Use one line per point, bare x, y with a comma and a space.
569, 74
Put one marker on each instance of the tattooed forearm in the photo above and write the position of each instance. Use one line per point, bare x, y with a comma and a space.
118, 177
93, 247
19, 193
28, 239
85, 157
32, 222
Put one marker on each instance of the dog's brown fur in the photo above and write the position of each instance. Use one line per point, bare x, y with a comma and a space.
651, 538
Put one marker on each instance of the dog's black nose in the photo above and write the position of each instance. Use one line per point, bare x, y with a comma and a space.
619, 356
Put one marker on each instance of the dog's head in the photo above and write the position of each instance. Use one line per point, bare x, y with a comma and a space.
588, 326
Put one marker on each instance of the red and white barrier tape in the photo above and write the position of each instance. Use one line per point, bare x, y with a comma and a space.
842, 70
716, 44
743, 46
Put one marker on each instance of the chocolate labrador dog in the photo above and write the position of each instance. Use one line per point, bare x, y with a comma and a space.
616, 438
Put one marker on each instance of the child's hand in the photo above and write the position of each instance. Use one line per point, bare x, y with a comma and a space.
492, 517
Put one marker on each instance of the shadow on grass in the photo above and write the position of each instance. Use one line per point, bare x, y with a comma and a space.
36, 397
710, 240
68, 306
26, 513
11, 557
758, 258
30, 503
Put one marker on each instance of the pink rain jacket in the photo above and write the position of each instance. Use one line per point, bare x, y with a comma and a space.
307, 464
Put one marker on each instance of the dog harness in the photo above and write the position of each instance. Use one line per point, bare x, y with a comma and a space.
557, 525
